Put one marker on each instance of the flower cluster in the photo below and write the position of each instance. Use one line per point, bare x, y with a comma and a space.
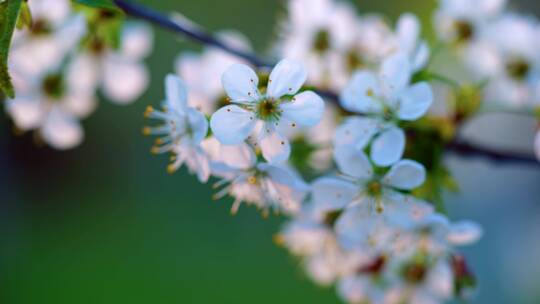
341, 135
499, 48
351, 175
61, 59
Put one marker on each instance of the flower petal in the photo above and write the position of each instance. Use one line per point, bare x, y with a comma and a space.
395, 74
232, 124
353, 162
420, 57
406, 175
176, 93
61, 130
361, 93
464, 233
356, 131
27, 112
124, 81
275, 148
306, 109
137, 40
198, 125
332, 193
239, 156
408, 32
240, 82
415, 101
286, 78
388, 147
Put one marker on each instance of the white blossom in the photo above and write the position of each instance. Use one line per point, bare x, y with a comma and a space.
264, 112
120, 73
182, 130
202, 72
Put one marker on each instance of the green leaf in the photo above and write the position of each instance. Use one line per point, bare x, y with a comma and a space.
9, 12
25, 17
103, 4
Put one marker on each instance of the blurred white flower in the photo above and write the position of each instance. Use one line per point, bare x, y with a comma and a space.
51, 103
506, 54
263, 185
459, 21
408, 33
202, 72
389, 93
55, 31
315, 33
182, 130
120, 73
265, 111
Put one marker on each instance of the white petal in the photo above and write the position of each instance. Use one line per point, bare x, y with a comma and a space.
124, 81
332, 193
275, 148
84, 72
306, 109
80, 103
27, 112
54, 11
176, 93
232, 124
198, 125
353, 161
360, 95
356, 131
239, 156
286, 78
464, 233
388, 147
137, 40
395, 74
408, 32
420, 57
440, 281
240, 82
406, 175
62, 131
415, 101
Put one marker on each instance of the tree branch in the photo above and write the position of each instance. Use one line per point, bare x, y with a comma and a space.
461, 148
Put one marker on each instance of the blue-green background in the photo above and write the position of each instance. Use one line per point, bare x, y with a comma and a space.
104, 223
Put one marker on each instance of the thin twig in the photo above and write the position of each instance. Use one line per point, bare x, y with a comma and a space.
198, 34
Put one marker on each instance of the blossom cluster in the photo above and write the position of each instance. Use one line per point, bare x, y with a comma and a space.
355, 218
339, 136
59, 61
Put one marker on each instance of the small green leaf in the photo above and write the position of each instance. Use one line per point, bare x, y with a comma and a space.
103, 4
9, 12
25, 17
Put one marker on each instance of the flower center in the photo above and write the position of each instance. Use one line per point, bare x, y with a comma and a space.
354, 61
375, 267
464, 31
518, 69
321, 42
331, 217
268, 110
374, 188
40, 27
53, 86
414, 272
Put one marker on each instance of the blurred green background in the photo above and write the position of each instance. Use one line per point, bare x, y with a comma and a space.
105, 223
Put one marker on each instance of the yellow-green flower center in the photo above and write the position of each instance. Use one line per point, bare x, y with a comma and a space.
53, 86
321, 42
268, 110
518, 69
